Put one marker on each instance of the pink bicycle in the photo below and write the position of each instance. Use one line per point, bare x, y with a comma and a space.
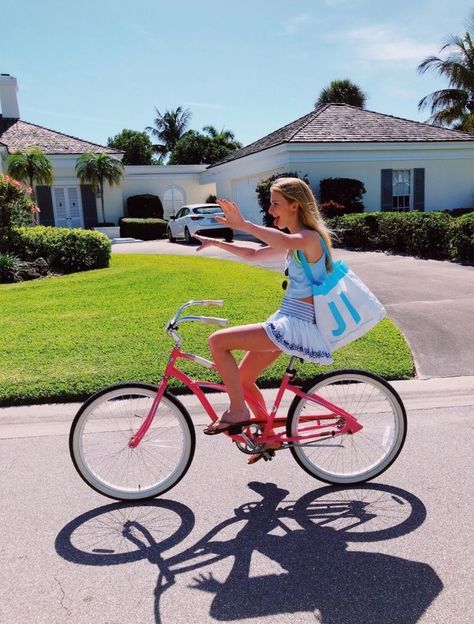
134, 441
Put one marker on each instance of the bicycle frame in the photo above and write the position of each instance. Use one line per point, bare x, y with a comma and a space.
338, 422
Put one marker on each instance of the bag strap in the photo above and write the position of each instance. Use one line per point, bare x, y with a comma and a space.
305, 263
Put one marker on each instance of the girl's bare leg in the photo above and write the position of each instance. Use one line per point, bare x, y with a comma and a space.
251, 366
221, 343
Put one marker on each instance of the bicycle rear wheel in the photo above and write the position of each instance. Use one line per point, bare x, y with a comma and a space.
350, 458
100, 435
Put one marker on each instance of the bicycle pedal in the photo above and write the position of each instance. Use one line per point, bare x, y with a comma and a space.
269, 455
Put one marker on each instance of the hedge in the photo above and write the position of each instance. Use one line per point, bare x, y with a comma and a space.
144, 229
65, 250
145, 206
434, 235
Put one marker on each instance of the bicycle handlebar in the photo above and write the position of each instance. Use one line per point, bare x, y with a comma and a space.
173, 325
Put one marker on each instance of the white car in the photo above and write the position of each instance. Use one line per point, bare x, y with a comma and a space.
197, 219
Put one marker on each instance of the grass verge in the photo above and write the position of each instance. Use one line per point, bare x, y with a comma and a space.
64, 338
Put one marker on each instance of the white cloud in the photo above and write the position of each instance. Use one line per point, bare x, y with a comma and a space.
204, 105
380, 43
294, 24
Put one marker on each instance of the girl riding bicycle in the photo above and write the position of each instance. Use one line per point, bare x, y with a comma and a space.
292, 329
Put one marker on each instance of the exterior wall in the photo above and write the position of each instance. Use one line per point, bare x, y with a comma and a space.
449, 171
140, 179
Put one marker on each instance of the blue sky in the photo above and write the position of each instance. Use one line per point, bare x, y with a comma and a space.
94, 67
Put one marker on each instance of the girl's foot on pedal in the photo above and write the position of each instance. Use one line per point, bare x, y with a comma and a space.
230, 422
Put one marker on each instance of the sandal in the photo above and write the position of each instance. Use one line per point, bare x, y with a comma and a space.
223, 426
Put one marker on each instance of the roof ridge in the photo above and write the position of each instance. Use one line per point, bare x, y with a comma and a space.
415, 121
70, 136
314, 113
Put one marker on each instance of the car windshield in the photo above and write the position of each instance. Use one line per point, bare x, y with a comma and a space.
207, 210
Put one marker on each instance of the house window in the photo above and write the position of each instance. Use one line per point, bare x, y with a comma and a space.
401, 189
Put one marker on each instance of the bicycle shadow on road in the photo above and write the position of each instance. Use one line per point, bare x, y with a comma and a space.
319, 574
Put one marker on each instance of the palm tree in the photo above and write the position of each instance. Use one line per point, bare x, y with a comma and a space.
95, 169
31, 166
168, 128
454, 106
342, 92
224, 138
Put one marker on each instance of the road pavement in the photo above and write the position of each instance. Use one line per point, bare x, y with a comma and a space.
431, 301
249, 544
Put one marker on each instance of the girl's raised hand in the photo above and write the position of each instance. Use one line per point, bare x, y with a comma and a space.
232, 216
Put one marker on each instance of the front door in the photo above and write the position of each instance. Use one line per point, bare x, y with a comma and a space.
67, 207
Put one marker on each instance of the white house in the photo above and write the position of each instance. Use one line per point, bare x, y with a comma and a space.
403, 164
68, 203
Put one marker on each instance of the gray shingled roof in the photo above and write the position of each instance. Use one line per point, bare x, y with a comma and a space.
341, 123
18, 135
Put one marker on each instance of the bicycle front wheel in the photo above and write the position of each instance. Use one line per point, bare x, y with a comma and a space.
349, 458
100, 436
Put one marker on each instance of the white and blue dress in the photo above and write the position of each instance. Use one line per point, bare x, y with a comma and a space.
293, 329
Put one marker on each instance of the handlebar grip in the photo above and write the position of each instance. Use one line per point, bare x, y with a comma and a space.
212, 320
213, 302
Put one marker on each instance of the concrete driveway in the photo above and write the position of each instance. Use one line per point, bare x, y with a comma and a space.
431, 301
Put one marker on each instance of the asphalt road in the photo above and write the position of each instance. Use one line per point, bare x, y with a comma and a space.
431, 301
231, 542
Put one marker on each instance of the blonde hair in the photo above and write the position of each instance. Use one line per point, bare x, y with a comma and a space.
296, 190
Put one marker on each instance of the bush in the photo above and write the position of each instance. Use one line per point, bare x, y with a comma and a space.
358, 231
16, 207
65, 250
145, 229
331, 209
434, 235
10, 267
211, 199
144, 207
263, 193
344, 191
461, 244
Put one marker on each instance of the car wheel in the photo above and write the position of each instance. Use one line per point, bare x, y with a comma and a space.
228, 239
171, 238
187, 236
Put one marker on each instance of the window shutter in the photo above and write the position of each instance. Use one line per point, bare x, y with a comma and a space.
89, 206
419, 189
45, 204
386, 190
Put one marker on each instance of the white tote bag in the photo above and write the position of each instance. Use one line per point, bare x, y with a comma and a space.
345, 308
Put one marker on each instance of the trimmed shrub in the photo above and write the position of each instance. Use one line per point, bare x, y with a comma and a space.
65, 250
144, 207
357, 231
145, 229
263, 193
434, 235
461, 244
344, 191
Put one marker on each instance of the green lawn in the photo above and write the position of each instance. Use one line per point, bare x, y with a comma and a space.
63, 338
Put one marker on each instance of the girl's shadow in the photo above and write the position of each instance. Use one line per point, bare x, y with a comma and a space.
320, 574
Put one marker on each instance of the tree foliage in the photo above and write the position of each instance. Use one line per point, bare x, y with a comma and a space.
342, 92
168, 128
207, 147
31, 166
137, 147
96, 169
453, 107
